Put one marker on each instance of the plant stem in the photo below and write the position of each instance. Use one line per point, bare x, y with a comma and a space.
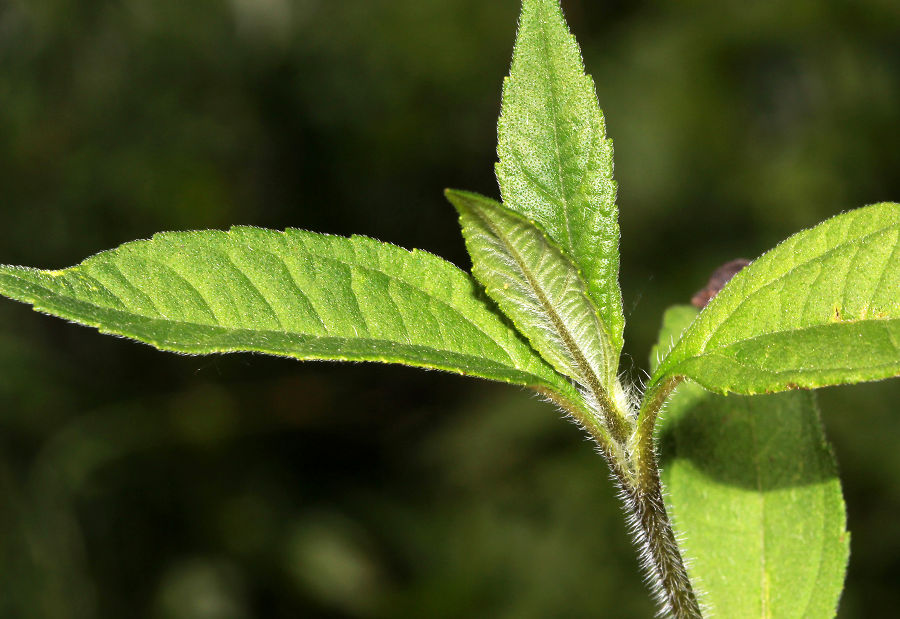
661, 556
636, 469
659, 553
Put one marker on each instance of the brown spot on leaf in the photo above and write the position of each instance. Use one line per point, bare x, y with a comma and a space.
717, 281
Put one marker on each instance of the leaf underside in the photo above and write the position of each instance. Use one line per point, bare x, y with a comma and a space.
822, 308
296, 294
555, 163
538, 288
754, 494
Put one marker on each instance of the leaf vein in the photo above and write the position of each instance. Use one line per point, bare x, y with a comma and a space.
884, 270
115, 265
790, 271
257, 290
172, 271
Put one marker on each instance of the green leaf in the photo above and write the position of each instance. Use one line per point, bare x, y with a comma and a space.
822, 308
295, 294
753, 490
555, 163
540, 290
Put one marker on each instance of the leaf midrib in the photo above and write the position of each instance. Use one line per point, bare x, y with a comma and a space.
545, 58
476, 361
824, 520
593, 381
763, 575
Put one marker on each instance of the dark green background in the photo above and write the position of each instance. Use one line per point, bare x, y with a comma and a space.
135, 483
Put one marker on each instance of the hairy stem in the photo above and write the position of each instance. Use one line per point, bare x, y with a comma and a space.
660, 554
590, 421
641, 443
636, 469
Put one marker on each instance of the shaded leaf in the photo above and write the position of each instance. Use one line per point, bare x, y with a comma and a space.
754, 494
295, 294
555, 162
822, 308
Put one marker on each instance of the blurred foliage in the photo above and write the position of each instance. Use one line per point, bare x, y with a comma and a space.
135, 483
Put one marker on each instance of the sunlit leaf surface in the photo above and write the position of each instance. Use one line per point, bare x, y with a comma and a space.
822, 308
295, 294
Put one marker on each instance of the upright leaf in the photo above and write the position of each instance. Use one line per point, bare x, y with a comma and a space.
754, 494
540, 290
295, 294
822, 308
555, 162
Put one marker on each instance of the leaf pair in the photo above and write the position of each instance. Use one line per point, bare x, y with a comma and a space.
822, 308
309, 296
554, 268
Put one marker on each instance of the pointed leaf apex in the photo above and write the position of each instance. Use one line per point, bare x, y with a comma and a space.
555, 163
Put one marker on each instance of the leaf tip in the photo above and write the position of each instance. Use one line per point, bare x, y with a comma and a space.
451, 193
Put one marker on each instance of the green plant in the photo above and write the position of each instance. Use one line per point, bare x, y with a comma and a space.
821, 309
